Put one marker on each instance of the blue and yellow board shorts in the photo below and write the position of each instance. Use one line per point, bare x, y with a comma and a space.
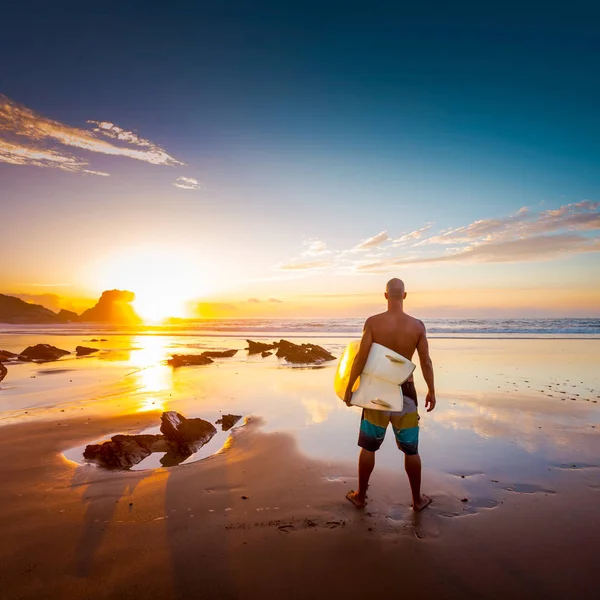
405, 424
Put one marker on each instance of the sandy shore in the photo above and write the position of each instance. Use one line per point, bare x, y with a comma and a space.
186, 532
516, 434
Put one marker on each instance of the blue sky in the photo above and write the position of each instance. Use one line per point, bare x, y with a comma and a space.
314, 121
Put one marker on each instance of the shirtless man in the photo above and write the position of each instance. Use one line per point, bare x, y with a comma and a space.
403, 334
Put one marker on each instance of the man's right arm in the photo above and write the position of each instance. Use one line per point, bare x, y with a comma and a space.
427, 369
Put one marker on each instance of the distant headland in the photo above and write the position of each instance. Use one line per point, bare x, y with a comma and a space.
114, 306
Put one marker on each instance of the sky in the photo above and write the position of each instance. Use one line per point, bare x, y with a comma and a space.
275, 159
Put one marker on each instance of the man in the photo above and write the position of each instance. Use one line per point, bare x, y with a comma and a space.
404, 334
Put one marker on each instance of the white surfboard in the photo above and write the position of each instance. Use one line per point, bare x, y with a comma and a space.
378, 386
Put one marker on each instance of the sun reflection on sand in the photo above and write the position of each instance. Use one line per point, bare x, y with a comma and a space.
153, 379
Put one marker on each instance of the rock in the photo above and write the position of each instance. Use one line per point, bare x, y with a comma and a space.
124, 451
3, 372
219, 354
184, 360
114, 306
6, 356
302, 353
256, 347
42, 353
83, 351
187, 434
68, 316
228, 421
265, 354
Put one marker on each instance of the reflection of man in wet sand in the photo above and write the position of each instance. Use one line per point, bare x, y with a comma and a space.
404, 334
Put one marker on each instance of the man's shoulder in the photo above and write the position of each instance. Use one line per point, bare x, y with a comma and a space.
416, 322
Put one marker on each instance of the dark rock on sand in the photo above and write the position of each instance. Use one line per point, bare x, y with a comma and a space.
219, 354
228, 421
125, 451
3, 372
42, 353
302, 353
83, 351
114, 306
184, 360
265, 354
187, 434
6, 356
257, 347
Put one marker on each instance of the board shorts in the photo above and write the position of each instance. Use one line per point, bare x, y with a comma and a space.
405, 424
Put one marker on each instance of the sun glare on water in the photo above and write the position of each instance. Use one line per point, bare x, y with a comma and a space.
161, 278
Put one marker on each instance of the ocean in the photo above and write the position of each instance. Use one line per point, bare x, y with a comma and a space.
341, 327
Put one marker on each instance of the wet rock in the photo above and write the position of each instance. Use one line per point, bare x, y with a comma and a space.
228, 421
219, 354
188, 435
265, 354
184, 360
3, 372
258, 347
6, 356
302, 353
83, 351
42, 353
124, 451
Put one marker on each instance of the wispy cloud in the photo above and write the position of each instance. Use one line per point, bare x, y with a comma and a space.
28, 138
537, 248
408, 238
187, 183
372, 242
523, 236
314, 247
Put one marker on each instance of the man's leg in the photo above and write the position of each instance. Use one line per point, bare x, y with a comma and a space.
366, 464
406, 431
412, 464
372, 432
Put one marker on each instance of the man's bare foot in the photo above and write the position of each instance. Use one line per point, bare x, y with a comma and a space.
353, 497
424, 502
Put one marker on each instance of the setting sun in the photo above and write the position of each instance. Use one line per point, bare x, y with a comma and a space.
162, 279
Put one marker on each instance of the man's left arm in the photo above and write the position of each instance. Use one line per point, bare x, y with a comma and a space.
360, 360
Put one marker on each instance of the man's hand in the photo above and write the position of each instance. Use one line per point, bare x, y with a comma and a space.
430, 401
348, 396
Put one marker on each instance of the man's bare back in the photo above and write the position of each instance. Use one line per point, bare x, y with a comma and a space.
397, 331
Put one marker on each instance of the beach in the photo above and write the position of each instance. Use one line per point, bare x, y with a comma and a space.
511, 458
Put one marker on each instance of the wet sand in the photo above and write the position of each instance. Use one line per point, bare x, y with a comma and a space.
80, 532
527, 463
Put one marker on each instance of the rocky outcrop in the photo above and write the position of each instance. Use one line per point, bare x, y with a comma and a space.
115, 307
302, 353
3, 372
6, 356
228, 421
68, 316
125, 451
187, 434
258, 347
185, 360
219, 353
42, 353
15, 310
293, 353
83, 351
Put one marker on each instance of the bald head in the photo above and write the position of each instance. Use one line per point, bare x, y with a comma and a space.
395, 289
